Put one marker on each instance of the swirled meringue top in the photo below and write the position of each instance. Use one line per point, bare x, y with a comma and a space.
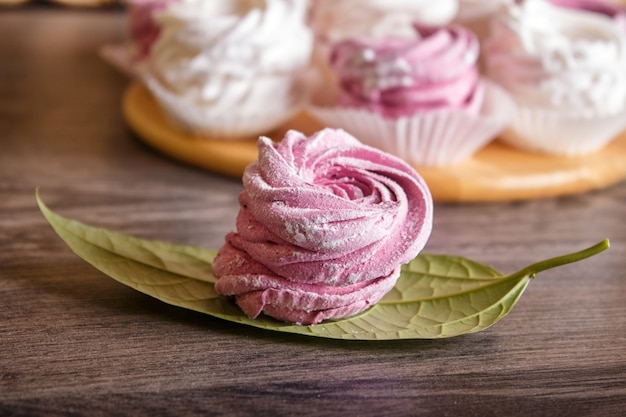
399, 77
558, 58
214, 51
335, 20
325, 222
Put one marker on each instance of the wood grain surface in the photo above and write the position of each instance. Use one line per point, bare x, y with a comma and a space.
75, 343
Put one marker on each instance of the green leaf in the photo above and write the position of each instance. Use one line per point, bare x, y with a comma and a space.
436, 296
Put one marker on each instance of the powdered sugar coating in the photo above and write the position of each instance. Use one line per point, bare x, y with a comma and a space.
325, 222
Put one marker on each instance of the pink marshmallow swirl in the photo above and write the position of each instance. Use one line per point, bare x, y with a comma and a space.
141, 24
400, 77
324, 225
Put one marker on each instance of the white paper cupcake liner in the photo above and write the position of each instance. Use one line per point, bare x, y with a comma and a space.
435, 138
560, 134
237, 123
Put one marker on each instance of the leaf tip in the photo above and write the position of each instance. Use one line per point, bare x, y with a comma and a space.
48, 214
564, 259
38, 198
598, 247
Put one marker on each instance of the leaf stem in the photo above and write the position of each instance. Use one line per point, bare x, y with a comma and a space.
535, 268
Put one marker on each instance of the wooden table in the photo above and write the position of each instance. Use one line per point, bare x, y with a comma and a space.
74, 342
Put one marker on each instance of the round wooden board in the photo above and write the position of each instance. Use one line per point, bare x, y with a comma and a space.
496, 173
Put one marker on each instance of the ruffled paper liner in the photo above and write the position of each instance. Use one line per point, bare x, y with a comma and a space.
561, 134
435, 138
205, 121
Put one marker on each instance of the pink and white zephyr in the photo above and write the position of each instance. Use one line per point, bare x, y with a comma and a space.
324, 225
559, 58
396, 77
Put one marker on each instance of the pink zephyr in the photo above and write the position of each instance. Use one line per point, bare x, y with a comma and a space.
324, 225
